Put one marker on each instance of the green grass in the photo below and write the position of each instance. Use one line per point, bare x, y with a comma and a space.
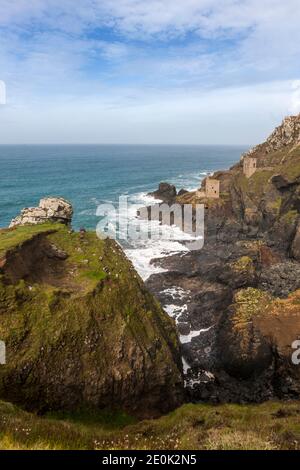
91, 301
257, 184
95, 275
290, 217
272, 425
248, 303
11, 238
106, 419
243, 264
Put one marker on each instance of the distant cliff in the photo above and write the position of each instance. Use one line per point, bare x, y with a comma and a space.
244, 285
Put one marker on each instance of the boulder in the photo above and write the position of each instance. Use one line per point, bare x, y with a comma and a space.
243, 350
55, 209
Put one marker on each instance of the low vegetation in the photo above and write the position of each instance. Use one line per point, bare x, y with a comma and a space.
264, 427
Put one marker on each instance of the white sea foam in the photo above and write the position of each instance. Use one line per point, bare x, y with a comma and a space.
185, 365
189, 181
143, 199
165, 240
175, 311
193, 334
202, 377
177, 293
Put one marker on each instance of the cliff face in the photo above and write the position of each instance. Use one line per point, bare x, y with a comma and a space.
284, 136
243, 286
268, 202
80, 328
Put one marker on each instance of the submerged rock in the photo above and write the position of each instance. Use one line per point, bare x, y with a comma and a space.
55, 209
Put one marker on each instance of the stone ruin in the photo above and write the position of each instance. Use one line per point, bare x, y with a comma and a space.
249, 166
212, 189
54, 209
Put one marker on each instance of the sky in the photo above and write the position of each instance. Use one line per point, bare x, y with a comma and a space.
147, 71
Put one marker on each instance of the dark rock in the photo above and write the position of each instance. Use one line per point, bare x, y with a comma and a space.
166, 192
280, 279
181, 192
280, 181
242, 287
183, 328
295, 248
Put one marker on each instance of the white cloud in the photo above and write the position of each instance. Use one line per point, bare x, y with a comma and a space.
233, 115
154, 16
295, 99
167, 69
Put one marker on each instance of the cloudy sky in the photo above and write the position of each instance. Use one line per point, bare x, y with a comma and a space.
148, 71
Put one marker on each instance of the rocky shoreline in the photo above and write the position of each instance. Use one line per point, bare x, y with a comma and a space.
81, 329
236, 302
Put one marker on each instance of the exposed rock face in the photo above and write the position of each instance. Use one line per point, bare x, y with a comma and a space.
288, 133
166, 192
80, 328
296, 244
182, 191
55, 209
239, 293
285, 135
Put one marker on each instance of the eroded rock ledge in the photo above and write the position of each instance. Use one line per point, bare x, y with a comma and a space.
55, 209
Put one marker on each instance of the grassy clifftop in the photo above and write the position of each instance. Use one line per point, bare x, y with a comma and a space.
269, 426
79, 326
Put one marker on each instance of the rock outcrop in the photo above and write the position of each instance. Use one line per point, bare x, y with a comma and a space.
81, 330
166, 192
55, 209
239, 294
285, 135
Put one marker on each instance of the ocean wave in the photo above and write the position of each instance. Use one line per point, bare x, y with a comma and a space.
144, 252
143, 198
164, 240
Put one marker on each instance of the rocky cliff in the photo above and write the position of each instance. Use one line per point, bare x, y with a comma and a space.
55, 209
80, 328
241, 291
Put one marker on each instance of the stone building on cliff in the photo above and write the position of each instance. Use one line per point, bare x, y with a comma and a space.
249, 166
212, 189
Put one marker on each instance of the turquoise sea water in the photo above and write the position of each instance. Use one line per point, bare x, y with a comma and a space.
92, 174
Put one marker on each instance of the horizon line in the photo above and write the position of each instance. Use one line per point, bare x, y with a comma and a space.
120, 144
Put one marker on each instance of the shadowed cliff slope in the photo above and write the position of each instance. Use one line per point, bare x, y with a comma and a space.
80, 328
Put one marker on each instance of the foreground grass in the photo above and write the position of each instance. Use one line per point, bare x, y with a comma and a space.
11, 238
266, 427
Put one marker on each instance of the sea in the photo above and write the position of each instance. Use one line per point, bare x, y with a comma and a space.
92, 175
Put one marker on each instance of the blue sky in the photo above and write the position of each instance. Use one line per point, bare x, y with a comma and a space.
155, 71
